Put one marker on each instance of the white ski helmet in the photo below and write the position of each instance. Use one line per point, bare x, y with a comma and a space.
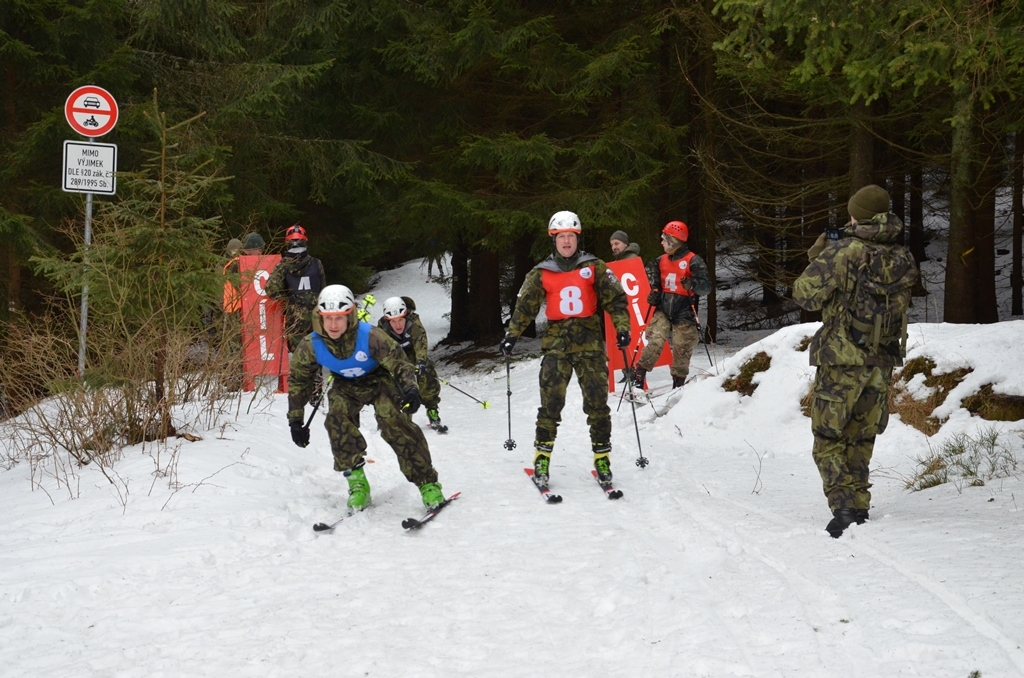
564, 222
394, 307
335, 300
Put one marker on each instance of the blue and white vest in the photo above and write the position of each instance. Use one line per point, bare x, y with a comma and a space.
357, 364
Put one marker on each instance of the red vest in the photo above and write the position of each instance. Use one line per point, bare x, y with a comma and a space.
571, 294
673, 272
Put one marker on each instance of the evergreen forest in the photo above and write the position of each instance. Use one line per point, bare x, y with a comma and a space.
397, 129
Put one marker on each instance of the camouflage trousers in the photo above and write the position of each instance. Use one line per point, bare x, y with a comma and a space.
591, 370
347, 397
430, 387
296, 326
850, 408
682, 336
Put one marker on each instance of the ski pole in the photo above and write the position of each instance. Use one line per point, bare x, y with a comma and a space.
703, 336
316, 406
510, 444
628, 369
641, 461
484, 403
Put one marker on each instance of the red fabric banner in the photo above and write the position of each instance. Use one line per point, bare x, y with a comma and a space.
264, 351
631, 274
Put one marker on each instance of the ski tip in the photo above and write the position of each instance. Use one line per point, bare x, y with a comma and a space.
529, 471
554, 498
410, 523
322, 527
615, 494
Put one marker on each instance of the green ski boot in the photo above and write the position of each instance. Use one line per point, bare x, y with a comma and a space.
432, 495
358, 489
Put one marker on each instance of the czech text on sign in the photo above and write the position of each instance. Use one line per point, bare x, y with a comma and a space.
90, 168
91, 111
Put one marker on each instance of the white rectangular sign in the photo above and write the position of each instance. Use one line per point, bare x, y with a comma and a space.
90, 167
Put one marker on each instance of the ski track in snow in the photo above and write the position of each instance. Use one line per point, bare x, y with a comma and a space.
715, 563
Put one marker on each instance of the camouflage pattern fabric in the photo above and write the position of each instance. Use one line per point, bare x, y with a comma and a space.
415, 346
683, 337
829, 282
573, 345
851, 385
298, 305
850, 408
592, 375
572, 335
382, 388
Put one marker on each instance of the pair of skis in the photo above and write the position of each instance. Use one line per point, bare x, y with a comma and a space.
408, 523
552, 498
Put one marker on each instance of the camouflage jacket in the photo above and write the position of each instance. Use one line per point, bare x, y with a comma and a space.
676, 307
828, 282
287, 274
572, 335
413, 340
304, 368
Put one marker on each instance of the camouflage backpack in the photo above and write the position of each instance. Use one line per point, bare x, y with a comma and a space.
876, 309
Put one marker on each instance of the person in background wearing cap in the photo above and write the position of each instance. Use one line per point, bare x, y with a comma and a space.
297, 281
403, 324
252, 244
854, 359
622, 248
368, 368
574, 287
678, 278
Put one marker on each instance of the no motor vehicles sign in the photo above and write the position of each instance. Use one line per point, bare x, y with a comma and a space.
91, 111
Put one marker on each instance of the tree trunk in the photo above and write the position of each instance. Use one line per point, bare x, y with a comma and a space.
862, 149
918, 242
460, 321
959, 301
522, 263
485, 296
1016, 283
983, 224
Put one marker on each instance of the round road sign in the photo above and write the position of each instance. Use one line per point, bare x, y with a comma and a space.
91, 111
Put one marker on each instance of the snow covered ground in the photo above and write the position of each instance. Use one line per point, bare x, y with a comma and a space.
715, 563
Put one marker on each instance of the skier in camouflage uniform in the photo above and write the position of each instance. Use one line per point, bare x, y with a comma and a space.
851, 384
577, 286
296, 280
403, 324
678, 279
367, 368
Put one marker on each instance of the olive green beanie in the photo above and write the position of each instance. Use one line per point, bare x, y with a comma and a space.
867, 202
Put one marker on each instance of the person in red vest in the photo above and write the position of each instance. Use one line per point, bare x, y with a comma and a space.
577, 286
678, 278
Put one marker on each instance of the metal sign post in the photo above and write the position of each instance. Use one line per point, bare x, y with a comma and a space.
92, 112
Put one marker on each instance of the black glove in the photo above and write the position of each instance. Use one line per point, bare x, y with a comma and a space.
622, 339
421, 367
411, 402
300, 434
654, 298
506, 345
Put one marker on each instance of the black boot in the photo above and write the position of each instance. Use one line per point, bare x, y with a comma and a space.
678, 381
841, 519
638, 378
861, 515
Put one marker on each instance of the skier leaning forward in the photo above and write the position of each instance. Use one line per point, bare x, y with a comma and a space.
577, 286
367, 367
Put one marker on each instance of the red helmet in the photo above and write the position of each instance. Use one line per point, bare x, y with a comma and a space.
295, 232
677, 230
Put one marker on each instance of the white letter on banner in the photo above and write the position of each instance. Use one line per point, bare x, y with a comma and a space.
258, 280
629, 285
267, 357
